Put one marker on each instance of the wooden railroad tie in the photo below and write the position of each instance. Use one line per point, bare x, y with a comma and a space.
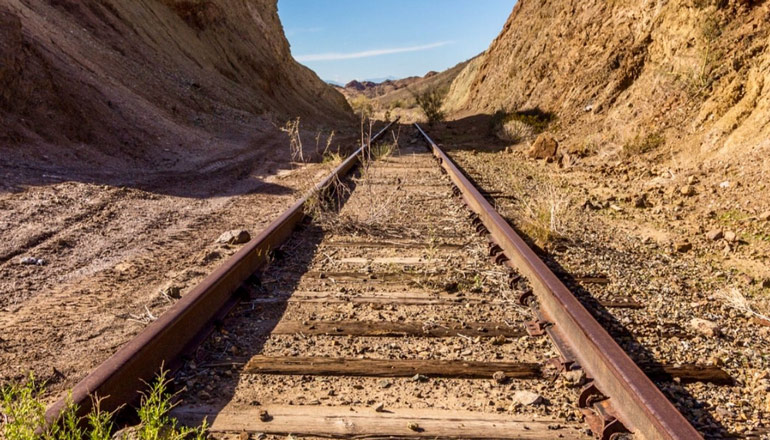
454, 369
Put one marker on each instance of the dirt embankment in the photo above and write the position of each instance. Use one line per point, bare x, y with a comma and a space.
133, 134
694, 73
662, 106
146, 81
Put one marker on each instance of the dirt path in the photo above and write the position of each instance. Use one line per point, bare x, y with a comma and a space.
111, 247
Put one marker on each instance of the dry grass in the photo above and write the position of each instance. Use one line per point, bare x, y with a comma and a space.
543, 208
544, 215
735, 299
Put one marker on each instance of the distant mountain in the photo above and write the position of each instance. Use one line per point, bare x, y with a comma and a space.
334, 83
380, 80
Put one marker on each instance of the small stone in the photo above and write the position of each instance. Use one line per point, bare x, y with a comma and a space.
498, 340
264, 416
385, 383
171, 291
260, 436
705, 327
414, 427
244, 436
575, 378
687, 190
380, 407
766, 283
725, 184
641, 201
32, 261
236, 236
419, 378
692, 180
500, 377
765, 216
210, 256
545, 147
714, 234
527, 398
730, 237
683, 246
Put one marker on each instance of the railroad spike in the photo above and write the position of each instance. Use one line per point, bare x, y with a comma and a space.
527, 297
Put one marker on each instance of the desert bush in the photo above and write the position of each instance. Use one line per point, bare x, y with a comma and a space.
519, 125
362, 106
643, 144
22, 416
430, 101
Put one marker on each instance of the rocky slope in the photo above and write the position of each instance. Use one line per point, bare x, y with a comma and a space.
90, 81
690, 76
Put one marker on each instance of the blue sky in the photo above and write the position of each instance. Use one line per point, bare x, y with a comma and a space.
365, 39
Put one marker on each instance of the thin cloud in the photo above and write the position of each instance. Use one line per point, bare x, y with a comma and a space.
368, 53
310, 30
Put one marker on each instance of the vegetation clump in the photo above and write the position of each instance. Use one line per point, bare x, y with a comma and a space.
430, 101
643, 144
22, 417
520, 125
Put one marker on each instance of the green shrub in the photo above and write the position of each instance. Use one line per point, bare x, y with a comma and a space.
22, 416
430, 101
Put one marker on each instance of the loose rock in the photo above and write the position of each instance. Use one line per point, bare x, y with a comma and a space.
414, 427
730, 236
171, 291
575, 378
32, 261
687, 190
527, 398
683, 246
264, 416
714, 234
765, 216
705, 327
236, 236
545, 147
500, 377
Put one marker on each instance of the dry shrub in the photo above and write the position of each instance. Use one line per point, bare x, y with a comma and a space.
543, 208
642, 144
735, 299
520, 125
544, 216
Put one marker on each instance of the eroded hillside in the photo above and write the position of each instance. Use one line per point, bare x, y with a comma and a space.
147, 80
692, 72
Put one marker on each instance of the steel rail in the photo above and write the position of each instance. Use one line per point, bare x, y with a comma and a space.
120, 378
634, 399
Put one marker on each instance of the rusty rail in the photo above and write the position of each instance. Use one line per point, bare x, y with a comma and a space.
619, 390
119, 379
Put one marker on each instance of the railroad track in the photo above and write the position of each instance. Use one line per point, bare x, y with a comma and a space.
410, 310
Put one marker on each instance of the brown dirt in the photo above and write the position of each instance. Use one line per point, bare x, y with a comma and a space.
134, 133
585, 220
111, 248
